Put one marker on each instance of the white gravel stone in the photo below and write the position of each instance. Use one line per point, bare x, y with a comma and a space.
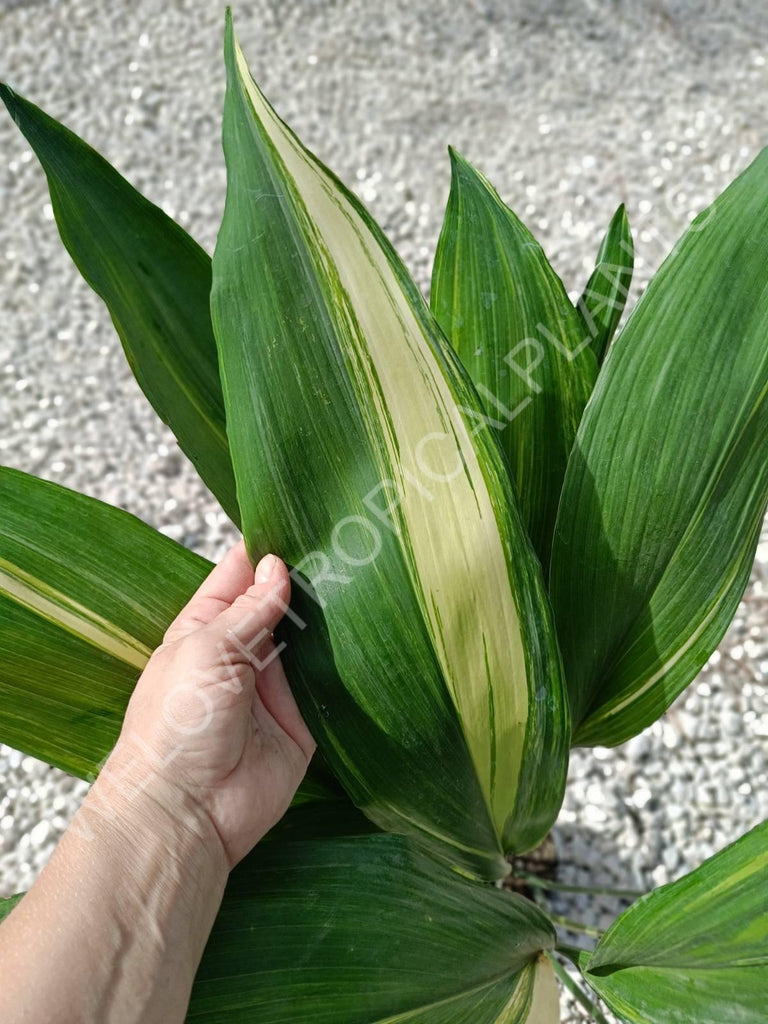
569, 107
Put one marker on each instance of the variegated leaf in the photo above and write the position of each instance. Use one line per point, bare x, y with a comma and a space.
509, 317
695, 950
667, 483
86, 594
428, 668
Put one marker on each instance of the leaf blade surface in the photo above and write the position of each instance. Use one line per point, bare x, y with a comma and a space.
509, 317
667, 482
696, 949
370, 930
86, 593
154, 279
427, 626
605, 295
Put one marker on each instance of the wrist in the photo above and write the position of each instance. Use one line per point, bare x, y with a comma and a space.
134, 887
159, 864
134, 800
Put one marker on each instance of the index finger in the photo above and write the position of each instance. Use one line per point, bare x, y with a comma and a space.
226, 582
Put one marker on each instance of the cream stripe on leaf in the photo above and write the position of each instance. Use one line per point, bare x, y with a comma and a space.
544, 1006
509, 317
693, 950
667, 483
86, 593
429, 663
28, 592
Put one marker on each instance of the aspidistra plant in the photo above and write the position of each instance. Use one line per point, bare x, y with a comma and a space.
501, 541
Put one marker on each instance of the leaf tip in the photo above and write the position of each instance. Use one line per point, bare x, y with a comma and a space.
621, 219
462, 171
229, 30
457, 160
15, 104
233, 55
8, 96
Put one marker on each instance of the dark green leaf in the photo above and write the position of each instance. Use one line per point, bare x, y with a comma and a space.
314, 816
603, 300
509, 317
155, 281
370, 931
666, 486
695, 950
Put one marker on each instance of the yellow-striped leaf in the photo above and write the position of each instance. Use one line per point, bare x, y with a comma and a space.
86, 594
155, 281
695, 950
369, 930
509, 317
666, 487
425, 659
602, 301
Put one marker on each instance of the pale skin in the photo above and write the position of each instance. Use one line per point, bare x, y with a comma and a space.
212, 750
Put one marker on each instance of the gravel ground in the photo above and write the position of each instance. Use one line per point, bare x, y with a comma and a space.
569, 107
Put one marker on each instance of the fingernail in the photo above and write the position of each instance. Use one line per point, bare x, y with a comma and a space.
265, 568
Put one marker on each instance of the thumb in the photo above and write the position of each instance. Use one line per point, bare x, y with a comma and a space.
246, 626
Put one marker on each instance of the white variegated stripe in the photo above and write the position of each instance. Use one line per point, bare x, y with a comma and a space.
544, 1007
52, 605
464, 585
635, 689
545, 1001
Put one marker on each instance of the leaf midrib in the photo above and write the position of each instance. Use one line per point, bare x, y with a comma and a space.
747, 962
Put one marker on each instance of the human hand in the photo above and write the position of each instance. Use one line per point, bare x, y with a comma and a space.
211, 752
212, 728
